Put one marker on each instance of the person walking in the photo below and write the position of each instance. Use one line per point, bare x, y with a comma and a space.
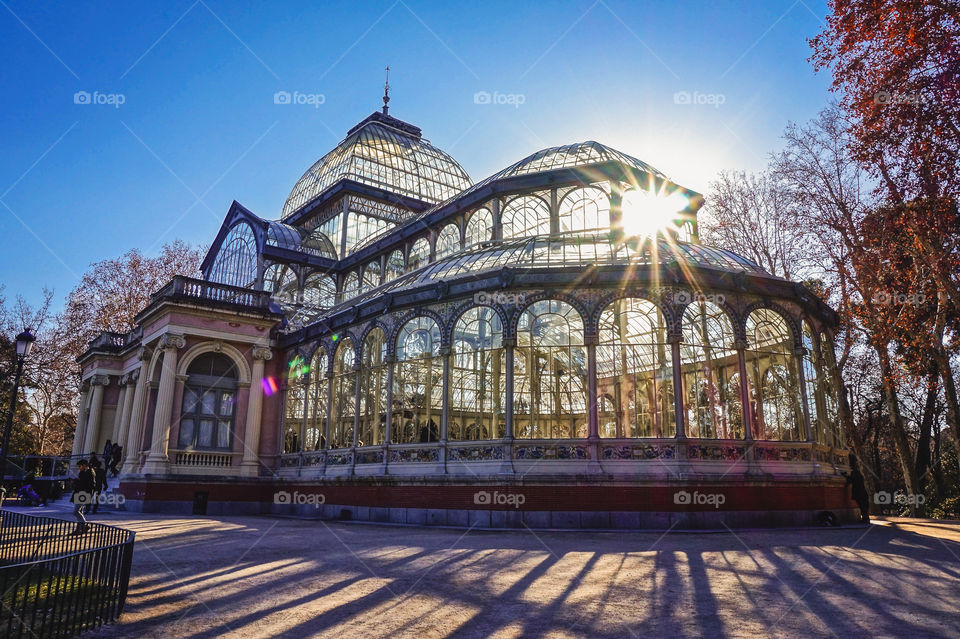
107, 452
82, 495
859, 490
115, 459
99, 482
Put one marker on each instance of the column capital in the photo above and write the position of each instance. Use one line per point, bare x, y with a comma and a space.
143, 353
100, 380
262, 352
172, 341
740, 345
130, 378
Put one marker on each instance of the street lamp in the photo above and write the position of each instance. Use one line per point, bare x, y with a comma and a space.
24, 343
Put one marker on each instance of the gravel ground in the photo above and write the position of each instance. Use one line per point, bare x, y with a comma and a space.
209, 577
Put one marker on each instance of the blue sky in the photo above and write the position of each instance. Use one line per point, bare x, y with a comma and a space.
198, 126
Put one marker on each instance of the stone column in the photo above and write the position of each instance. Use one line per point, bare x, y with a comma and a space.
250, 466
131, 447
129, 383
593, 419
446, 354
156, 461
97, 383
79, 431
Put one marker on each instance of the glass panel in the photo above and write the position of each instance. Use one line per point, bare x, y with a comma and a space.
189, 400
708, 364
772, 377
209, 405
205, 435
478, 380
185, 439
236, 261
223, 433
226, 403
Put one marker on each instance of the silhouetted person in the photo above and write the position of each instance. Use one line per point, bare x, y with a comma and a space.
99, 482
116, 455
859, 490
107, 451
82, 494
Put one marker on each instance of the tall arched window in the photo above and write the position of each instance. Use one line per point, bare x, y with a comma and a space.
395, 266
448, 241
418, 383
319, 291
584, 209
371, 276
525, 216
478, 383
351, 285
635, 369
209, 404
811, 382
281, 280
479, 228
772, 376
236, 262
419, 254
295, 406
373, 389
313, 438
344, 392
708, 363
550, 384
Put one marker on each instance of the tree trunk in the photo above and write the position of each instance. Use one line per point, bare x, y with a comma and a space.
897, 426
926, 428
949, 393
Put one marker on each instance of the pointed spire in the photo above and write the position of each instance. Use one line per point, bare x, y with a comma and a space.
386, 92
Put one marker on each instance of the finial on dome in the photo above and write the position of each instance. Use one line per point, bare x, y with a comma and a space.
386, 92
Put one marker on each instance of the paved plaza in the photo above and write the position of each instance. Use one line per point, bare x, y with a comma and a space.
251, 577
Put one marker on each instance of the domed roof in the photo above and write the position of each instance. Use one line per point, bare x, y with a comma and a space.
386, 153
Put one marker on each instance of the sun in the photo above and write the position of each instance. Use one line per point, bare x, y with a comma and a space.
646, 214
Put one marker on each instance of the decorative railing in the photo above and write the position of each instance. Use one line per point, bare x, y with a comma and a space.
202, 459
181, 287
43, 467
56, 584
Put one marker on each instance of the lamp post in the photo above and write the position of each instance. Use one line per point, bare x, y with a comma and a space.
24, 342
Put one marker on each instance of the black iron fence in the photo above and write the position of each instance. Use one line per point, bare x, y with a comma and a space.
56, 584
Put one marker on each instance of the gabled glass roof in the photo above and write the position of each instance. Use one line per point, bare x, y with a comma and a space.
296, 239
574, 249
386, 153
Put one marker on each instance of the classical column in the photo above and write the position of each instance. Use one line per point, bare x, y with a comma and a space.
509, 345
131, 447
121, 408
79, 431
250, 465
156, 461
129, 383
97, 383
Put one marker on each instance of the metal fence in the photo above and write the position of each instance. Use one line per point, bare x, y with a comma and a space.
56, 584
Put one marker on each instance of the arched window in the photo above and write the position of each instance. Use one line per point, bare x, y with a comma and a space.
351, 285
316, 413
448, 241
584, 209
551, 382
344, 394
607, 413
395, 266
418, 383
319, 291
772, 376
236, 262
635, 369
371, 276
281, 281
373, 389
419, 254
295, 406
525, 216
478, 383
811, 381
209, 404
708, 362
479, 228
833, 429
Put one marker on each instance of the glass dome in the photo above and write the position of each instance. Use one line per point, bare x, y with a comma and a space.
386, 153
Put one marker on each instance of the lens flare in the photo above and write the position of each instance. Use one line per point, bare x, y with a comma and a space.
645, 214
269, 386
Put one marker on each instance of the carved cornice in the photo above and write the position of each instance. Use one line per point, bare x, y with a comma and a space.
173, 341
100, 380
262, 352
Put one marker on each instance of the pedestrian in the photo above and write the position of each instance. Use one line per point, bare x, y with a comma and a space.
99, 483
115, 459
82, 494
107, 451
859, 490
